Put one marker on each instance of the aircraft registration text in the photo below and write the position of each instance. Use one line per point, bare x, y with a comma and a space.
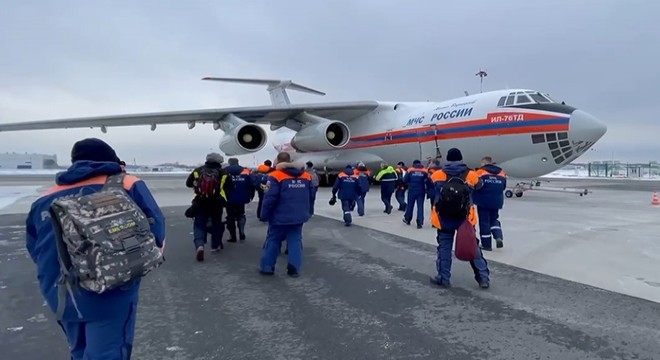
497, 118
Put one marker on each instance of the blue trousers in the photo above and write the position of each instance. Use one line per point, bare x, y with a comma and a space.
200, 228
489, 225
347, 208
260, 195
110, 339
360, 204
386, 197
400, 195
412, 200
445, 240
271, 249
314, 190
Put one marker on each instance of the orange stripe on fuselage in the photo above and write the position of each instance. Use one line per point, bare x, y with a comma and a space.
129, 181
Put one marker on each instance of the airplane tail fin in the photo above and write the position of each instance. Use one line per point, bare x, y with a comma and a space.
276, 88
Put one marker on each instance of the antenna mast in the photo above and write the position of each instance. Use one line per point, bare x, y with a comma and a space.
481, 74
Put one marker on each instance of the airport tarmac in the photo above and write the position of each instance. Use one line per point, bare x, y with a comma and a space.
364, 292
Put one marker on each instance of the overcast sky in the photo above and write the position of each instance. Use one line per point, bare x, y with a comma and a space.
84, 58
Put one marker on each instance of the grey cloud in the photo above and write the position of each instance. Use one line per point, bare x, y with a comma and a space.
88, 58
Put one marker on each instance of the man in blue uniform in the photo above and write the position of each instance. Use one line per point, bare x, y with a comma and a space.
97, 326
364, 179
419, 183
315, 182
433, 167
259, 180
387, 178
242, 194
452, 208
348, 187
286, 208
489, 200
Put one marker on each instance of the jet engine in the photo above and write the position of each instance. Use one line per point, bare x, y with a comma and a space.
243, 139
322, 136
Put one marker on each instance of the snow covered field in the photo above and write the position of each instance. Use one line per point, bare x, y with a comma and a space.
584, 174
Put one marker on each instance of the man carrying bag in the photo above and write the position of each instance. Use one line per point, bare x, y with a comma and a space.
454, 214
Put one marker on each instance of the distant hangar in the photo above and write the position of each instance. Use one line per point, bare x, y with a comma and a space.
15, 161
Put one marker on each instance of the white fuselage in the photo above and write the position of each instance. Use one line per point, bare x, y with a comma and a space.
526, 139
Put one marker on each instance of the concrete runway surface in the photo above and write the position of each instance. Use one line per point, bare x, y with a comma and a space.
364, 291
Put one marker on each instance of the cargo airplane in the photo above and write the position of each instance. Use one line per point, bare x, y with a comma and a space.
525, 131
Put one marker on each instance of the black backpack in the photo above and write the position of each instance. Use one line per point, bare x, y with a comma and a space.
454, 200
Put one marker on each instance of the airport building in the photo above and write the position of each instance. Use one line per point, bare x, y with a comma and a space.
15, 161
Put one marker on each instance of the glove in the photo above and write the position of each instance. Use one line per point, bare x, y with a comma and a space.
332, 201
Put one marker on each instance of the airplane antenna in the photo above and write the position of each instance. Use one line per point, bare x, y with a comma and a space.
481, 74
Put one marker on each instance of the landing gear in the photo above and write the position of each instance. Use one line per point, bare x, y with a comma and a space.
521, 187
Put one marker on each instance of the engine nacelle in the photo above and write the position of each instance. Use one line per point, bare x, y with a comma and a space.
327, 135
243, 139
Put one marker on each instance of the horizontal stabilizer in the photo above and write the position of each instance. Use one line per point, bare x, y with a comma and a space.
276, 88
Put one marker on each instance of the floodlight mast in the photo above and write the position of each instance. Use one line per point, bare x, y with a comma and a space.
481, 74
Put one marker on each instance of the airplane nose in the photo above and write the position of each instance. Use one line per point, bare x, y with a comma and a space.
586, 127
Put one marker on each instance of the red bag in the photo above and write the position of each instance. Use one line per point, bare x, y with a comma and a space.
466, 242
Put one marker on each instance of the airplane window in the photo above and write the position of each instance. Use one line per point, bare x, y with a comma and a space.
502, 100
549, 98
538, 138
556, 153
539, 98
553, 146
563, 143
559, 160
568, 154
510, 99
523, 99
563, 136
551, 137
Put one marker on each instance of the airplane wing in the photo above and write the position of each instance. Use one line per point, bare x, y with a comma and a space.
275, 115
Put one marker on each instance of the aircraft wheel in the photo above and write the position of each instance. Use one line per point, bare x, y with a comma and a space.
508, 193
519, 194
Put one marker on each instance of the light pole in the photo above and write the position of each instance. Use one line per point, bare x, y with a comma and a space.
481, 74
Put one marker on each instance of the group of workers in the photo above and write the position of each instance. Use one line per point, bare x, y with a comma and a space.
101, 324
425, 182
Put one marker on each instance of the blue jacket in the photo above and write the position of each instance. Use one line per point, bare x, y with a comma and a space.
451, 169
289, 197
491, 195
243, 185
364, 178
84, 177
260, 178
388, 179
347, 185
418, 180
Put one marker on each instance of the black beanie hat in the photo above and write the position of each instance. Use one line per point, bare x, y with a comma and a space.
93, 149
454, 155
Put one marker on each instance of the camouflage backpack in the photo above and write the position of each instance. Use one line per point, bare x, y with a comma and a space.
103, 240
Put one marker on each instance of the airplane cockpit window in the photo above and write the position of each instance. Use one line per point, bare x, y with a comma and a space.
523, 98
539, 98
